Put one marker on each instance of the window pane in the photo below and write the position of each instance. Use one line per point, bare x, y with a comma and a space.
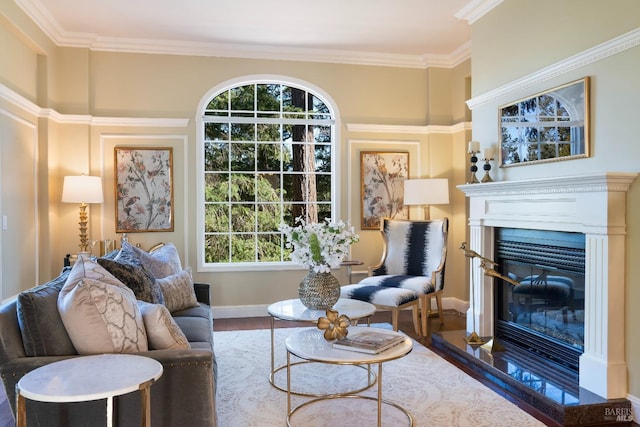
268, 157
269, 217
293, 184
243, 187
321, 133
243, 156
317, 105
216, 218
293, 100
243, 248
242, 98
216, 131
216, 187
269, 132
243, 132
243, 217
216, 156
269, 247
220, 102
216, 248
268, 188
268, 97
323, 188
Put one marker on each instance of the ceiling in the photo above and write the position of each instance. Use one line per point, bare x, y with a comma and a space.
414, 33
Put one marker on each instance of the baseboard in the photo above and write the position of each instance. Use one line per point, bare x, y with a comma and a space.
242, 311
635, 407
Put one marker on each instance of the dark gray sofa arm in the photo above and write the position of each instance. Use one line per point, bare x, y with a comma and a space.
203, 293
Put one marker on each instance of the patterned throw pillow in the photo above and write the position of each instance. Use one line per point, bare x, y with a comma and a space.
99, 312
127, 255
162, 331
162, 262
138, 279
178, 291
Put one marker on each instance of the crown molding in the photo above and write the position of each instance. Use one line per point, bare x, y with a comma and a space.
476, 10
48, 24
597, 53
402, 129
24, 104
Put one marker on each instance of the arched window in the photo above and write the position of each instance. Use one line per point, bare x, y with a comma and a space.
266, 157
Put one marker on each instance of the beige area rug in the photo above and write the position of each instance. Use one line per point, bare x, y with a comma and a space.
435, 392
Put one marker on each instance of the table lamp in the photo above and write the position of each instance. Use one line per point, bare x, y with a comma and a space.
82, 189
426, 192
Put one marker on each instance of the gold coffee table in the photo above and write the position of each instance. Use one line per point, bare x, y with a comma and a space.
294, 311
310, 345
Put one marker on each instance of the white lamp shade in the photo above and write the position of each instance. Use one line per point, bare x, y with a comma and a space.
426, 191
82, 189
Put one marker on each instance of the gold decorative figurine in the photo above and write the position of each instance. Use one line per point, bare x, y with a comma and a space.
334, 325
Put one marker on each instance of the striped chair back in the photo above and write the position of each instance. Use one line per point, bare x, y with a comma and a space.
414, 248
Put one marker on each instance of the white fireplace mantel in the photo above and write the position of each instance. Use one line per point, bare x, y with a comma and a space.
594, 205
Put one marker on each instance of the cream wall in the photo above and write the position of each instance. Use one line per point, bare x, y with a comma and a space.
81, 104
508, 45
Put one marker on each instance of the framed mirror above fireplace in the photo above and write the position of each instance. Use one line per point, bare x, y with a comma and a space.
548, 126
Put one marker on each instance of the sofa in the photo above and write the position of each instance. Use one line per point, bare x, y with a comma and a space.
38, 327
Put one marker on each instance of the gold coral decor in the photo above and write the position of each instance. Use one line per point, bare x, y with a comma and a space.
334, 325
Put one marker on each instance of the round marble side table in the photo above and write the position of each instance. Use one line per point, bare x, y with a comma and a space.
86, 378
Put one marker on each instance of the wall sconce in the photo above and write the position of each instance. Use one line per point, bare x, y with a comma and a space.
82, 189
426, 192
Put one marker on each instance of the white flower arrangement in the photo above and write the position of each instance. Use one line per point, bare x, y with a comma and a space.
319, 246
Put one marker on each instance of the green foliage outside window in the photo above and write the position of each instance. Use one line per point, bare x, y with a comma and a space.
267, 160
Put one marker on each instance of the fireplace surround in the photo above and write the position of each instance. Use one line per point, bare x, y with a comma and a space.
594, 205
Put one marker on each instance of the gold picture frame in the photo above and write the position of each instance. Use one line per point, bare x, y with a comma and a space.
382, 176
144, 189
546, 127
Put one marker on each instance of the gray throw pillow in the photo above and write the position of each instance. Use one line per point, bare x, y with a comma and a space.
42, 330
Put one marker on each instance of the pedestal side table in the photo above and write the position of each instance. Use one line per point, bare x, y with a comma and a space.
86, 378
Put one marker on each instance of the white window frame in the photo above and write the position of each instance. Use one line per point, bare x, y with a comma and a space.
202, 266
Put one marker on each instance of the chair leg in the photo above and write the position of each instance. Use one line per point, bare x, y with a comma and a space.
416, 321
425, 302
394, 318
439, 304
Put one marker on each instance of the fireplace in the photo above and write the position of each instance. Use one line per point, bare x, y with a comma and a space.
593, 206
544, 311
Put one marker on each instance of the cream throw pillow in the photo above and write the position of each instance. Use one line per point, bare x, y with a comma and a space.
162, 331
178, 291
99, 312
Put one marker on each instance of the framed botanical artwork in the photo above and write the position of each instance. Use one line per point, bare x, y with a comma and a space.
144, 189
545, 127
382, 187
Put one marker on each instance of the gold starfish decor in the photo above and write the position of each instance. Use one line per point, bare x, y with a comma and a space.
334, 325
